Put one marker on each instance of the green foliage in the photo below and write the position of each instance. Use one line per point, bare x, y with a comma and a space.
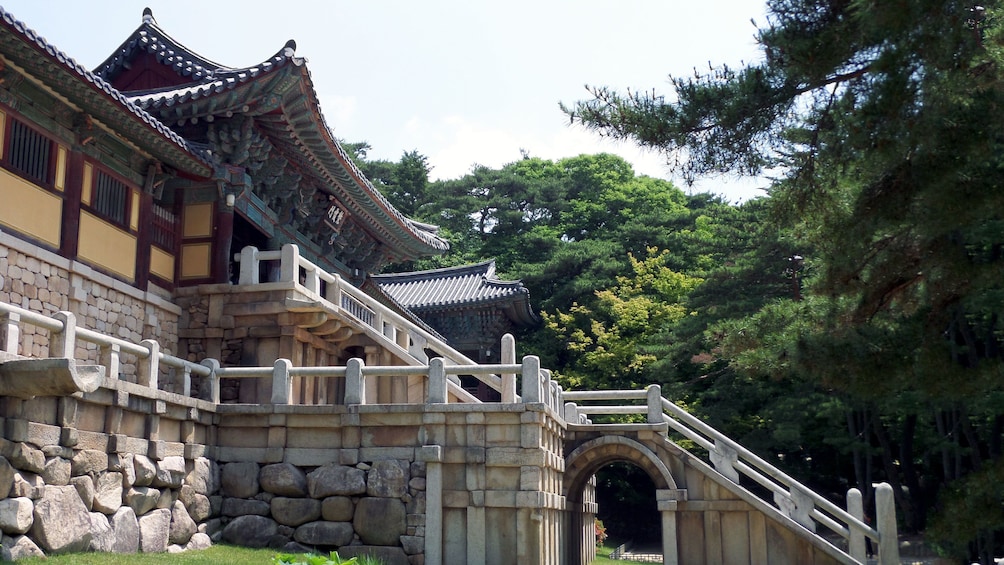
980, 495
875, 116
330, 559
606, 342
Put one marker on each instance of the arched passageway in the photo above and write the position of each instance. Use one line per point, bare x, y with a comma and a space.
582, 463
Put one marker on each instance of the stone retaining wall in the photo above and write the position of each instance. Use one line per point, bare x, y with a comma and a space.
43, 282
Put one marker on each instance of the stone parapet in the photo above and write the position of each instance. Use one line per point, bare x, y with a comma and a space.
41, 281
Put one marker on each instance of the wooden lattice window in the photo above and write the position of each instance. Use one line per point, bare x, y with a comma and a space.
111, 197
165, 228
30, 153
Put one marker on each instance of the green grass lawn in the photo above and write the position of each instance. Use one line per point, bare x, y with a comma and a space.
603, 555
215, 555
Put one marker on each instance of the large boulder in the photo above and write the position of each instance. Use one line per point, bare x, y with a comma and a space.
250, 531
16, 515
89, 462
334, 534
387, 479
336, 480
283, 479
380, 521
126, 528
85, 488
203, 476
199, 541
145, 470
198, 505
17, 548
24, 457
28, 485
142, 499
337, 509
240, 479
102, 534
56, 471
123, 463
6, 477
183, 527
154, 530
170, 472
108, 493
295, 511
62, 523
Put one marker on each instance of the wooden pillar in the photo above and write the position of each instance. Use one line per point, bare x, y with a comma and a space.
70, 233
222, 238
143, 237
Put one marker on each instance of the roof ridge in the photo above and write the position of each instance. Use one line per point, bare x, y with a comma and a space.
61, 58
487, 266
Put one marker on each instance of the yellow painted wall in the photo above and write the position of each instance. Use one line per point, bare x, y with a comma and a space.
198, 220
29, 209
195, 260
162, 263
106, 246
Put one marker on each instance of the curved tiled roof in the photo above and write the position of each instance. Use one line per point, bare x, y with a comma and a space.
455, 287
280, 74
95, 95
150, 38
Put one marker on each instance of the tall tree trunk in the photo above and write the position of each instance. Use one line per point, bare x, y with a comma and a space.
910, 476
892, 473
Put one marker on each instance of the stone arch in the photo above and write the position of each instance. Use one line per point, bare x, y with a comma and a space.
589, 457
586, 459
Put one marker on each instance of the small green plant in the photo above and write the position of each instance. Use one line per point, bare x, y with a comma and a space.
601, 531
330, 559
309, 559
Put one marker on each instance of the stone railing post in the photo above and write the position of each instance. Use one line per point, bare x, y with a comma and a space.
282, 382
508, 379
250, 266
11, 332
856, 539
148, 370
724, 458
885, 520
63, 343
798, 506
110, 356
213, 380
355, 384
289, 265
653, 397
531, 379
437, 381
571, 413
313, 280
186, 381
333, 291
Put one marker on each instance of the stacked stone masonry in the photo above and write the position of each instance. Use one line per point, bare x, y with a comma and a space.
38, 280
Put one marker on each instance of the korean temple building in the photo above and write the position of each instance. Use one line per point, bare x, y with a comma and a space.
468, 305
144, 178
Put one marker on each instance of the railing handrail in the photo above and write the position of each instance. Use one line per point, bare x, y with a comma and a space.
288, 274
761, 471
102, 340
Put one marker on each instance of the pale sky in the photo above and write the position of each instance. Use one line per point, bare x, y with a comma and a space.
463, 82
